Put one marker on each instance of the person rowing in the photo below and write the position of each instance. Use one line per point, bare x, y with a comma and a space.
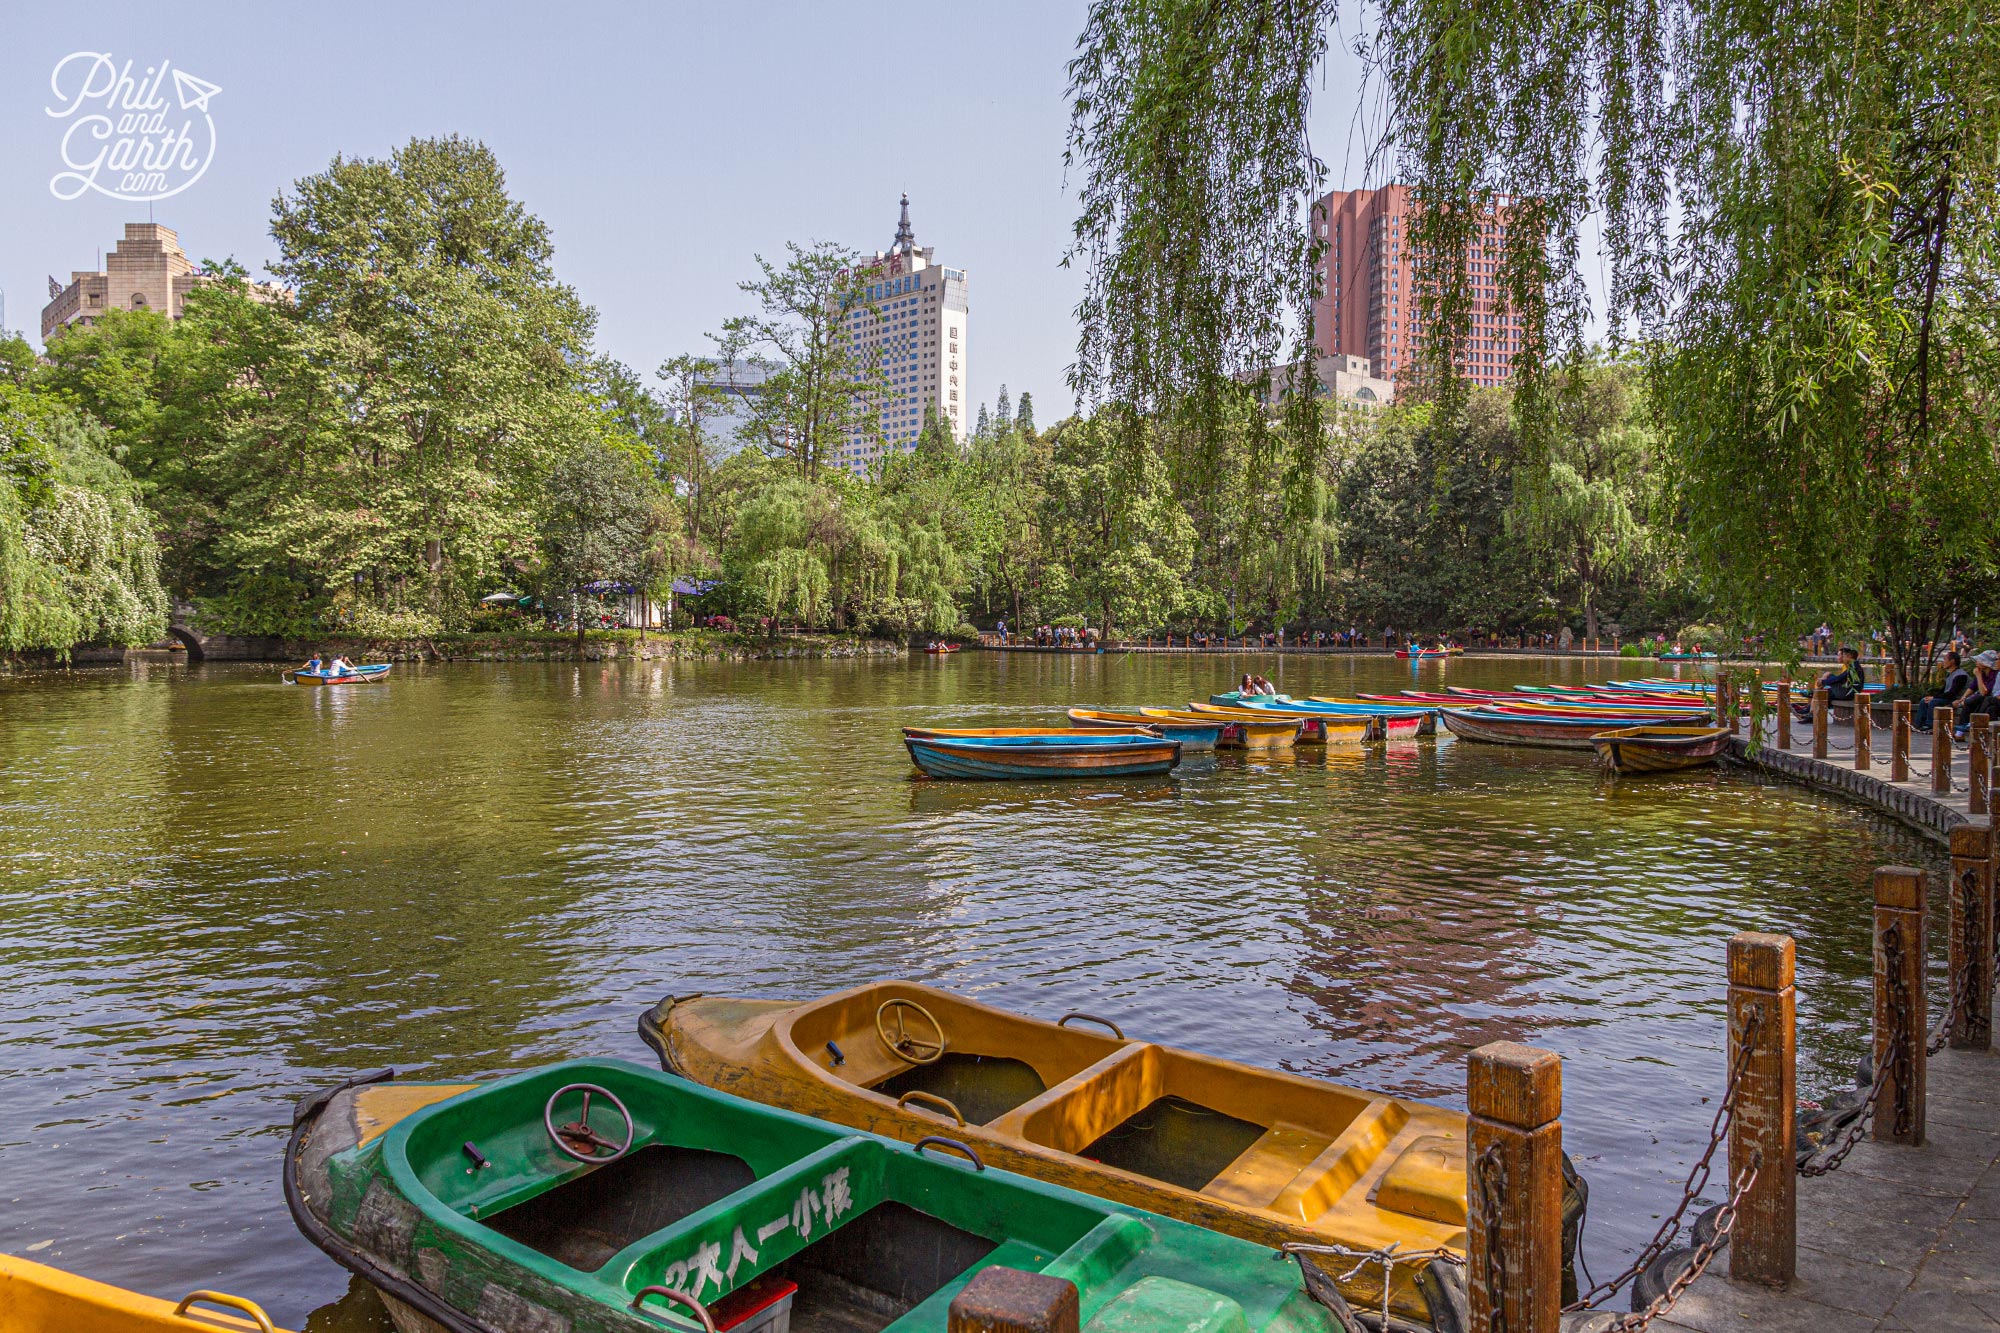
341, 667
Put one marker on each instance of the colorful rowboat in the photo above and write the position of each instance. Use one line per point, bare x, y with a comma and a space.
1684, 657
1424, 656
1659, 749
1022, 733
374, 671
1191, 735
1065, 754
1268, 1156
1242, 732
35, 1298
597, 1195
1344, 723
1552, 733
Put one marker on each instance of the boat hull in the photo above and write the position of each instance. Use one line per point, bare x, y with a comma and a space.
1191, 735
1000, 762
1050, 1101
1660, 749
1538, 732
359, 676
35, 1298
460, 1207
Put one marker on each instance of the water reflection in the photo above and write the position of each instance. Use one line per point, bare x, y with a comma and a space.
218, 892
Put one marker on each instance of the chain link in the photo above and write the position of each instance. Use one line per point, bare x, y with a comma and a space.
1894, 1057
1702, 1255
1961, 996
1698, 1177
1492, 1174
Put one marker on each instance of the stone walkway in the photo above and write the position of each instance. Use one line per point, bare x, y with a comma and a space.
1912, 801
1898, 1240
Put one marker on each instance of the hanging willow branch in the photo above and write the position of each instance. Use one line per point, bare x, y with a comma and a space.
1797, 204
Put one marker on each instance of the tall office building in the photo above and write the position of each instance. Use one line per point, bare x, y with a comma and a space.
146, 271
1367, 305
912, 324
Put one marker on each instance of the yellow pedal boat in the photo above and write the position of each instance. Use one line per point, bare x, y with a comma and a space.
1267, 1156
35, 1298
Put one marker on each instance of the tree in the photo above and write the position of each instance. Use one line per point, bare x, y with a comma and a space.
1111, 516
1024, 416
1799, 212
1003, 412
78, 561
596, 521
984, 427
1584, 499
460, 362
817, 389
696, 403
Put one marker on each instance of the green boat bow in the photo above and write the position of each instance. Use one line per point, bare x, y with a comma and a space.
521, 1207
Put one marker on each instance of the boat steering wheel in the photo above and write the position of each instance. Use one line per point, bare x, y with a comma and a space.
904, 1046
576, 1138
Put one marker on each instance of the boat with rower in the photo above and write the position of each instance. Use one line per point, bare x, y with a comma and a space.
602, 1197
1050, 753
352, 676
1268, 1156
1659, 749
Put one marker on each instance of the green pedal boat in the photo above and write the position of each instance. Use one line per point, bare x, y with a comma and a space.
599, 1196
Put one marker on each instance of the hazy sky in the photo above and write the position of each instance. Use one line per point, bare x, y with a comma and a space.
664, 144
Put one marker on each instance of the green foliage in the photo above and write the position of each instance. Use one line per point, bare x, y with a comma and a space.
1800, 213
1111, 518
78, 561
817, 388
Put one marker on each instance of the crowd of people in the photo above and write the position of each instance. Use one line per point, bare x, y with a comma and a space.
1958, 692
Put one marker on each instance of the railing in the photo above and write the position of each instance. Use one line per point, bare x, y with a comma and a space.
1514, 1187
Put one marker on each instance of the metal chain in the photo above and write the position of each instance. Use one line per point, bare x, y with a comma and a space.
1697, 1181
1703, 1255
1492, 1181
1960, 999
1892, 958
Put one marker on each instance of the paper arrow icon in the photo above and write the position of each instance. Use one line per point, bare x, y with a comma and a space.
194, 93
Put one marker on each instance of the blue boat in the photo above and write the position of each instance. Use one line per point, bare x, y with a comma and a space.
374, 671
1106, 755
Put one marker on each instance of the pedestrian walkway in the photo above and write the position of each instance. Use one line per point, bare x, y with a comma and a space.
1913, 801
1898, 1240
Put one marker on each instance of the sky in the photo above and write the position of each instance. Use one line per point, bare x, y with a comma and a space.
665, 144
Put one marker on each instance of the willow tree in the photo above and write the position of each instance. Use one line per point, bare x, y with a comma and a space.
1797, 201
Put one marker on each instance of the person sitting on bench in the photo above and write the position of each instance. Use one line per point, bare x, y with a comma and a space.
1848, 681
1956, 682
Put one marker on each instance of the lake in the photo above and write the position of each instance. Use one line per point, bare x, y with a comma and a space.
219, 893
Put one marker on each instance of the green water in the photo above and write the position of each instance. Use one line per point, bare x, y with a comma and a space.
219, 892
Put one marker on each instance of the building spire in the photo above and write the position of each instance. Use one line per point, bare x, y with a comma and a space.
906, 238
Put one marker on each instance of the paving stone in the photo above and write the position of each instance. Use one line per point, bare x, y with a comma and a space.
1866, 1218
1937, 1309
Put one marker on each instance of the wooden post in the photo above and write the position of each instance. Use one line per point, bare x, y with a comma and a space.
1972, 932
1864, 734
1784, 715
1941, 755
1901, 1017
1764, 1247
1513, 1165
1899, 741
1819, 702
1979, 764
1009, 1300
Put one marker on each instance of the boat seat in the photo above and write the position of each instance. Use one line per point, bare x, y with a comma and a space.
1342, 1163
1267, 1166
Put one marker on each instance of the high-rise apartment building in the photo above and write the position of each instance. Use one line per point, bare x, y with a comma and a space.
910, 321
146, 271
1367, 305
